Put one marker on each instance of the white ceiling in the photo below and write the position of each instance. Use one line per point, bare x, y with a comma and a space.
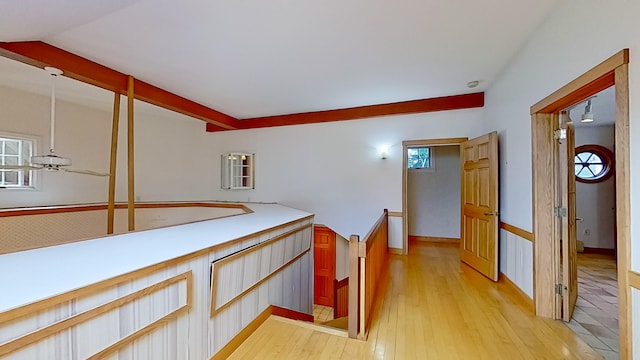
250, 58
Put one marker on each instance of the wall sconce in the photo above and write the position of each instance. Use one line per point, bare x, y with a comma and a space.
383, 151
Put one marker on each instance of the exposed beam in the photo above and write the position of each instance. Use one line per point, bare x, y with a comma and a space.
40, 54
455, 102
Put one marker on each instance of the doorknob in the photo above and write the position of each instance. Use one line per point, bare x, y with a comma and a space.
490, 214
579, 219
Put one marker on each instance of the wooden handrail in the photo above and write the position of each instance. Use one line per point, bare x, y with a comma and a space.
367, 262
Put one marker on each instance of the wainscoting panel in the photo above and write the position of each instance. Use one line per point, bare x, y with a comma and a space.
516, 260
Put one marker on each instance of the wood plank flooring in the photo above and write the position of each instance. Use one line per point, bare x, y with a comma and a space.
432, 308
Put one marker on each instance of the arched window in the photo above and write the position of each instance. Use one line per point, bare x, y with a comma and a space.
593, 163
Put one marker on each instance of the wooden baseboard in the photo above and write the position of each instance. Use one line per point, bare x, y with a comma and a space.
395, 251
433, 239
513, 288
590, 250
237, 340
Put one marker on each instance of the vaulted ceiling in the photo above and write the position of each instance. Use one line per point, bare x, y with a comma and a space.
255, 58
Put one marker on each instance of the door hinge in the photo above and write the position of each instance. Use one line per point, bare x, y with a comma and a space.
560, 134
559, 288
560, 211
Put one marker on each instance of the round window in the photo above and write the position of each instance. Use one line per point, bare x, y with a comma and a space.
593, 163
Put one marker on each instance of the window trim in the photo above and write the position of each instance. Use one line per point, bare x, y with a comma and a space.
432, 160
607, 159
34, 177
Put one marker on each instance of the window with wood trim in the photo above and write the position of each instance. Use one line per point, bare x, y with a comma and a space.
420, 158
237, 171
16, 150
593, 163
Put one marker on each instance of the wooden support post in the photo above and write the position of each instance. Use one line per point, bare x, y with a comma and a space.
112, 163
354, 284
130, 169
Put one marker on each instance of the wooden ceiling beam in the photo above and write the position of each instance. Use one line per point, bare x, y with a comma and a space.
40, 54
454, 102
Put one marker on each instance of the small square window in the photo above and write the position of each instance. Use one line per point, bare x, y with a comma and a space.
16, 150
420, 158
237, 171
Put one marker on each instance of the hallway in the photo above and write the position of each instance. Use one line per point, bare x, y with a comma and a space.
433, 308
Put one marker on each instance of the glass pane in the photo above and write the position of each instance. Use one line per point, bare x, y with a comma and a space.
577, 169
596, 169
595, 159
418, 158
26, 178
11, 147
11, 178
11, 160
584, 173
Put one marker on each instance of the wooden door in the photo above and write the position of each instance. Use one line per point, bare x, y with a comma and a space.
567, 181
479, 198
324, 265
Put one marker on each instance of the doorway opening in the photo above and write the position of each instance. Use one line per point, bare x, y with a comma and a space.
419, 201
555, 287
590, 132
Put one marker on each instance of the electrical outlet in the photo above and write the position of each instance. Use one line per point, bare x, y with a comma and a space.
587, 232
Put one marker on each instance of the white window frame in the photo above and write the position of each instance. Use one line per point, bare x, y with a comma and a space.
235, 175
432, 160
33, 177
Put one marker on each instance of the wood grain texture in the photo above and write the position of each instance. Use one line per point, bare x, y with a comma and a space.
113, 160
131, 185
593, 81
341, 298
455, 102
546, 249
623, 209
85, 316
504, 279
354, 289
517, 231
421, 315
40, 54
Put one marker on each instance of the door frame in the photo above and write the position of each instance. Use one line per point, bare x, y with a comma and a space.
613, 71
406, 145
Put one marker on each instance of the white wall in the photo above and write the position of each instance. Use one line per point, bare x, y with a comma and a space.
82, 134
596, 202
342, 257
562, 49
434, 197
334, 169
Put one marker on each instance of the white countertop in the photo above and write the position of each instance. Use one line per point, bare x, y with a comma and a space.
32, 275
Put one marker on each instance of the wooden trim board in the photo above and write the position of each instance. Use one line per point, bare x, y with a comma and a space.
634, 279
455, 102
99, 286
433, 239
515, 289
517, 231
244, 334
216, 265
395, 213
613, 71
395, 251
74, 320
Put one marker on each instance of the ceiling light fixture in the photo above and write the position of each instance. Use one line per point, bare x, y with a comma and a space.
587, 117
472, 84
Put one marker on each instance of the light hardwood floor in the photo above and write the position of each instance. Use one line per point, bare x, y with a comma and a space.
432, 308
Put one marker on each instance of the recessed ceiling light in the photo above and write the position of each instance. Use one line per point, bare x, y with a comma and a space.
472, 84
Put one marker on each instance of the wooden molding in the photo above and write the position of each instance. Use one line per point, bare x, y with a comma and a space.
395, 213
634, 279
454, 102
515, 289
130, 156
395, 251
527, 235
94, 207
591, 82
101, 285
244, 334
40, 54
291, 314
113, 159
435, 142
432, 239
599, 251
216, 265
87, 315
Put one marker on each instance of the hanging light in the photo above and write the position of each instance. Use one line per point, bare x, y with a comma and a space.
587, 117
